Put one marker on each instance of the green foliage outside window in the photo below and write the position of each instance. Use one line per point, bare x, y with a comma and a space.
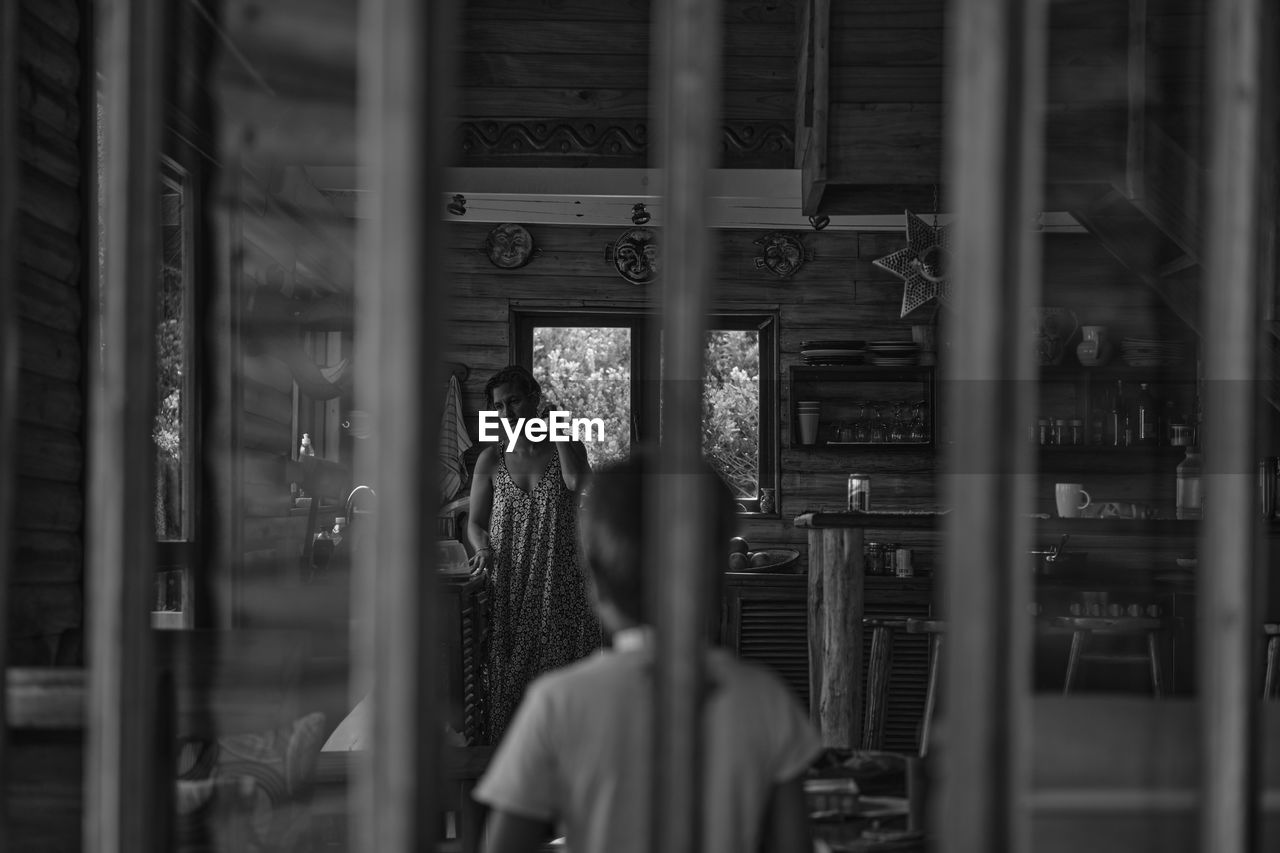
587, 372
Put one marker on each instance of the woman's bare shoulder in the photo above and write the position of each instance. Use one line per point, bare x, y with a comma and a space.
487, 461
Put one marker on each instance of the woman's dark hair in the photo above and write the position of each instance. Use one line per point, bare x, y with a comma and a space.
513, 374
611, 534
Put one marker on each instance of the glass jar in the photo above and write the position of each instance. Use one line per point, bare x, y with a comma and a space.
1075, 432
1189, 498
1060, 433
1044, 429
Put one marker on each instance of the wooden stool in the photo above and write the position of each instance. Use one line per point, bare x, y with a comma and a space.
1118, 622
1271, 684
878, 669
880, 661
935, 629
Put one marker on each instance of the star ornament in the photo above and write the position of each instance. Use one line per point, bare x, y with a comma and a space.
923, 265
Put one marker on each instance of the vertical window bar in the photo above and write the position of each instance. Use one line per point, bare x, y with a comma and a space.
685, 62
121, 797
993, 165
1228, 615
8, 344
406, 76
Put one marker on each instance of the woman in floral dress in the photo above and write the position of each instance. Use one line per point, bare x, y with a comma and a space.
523, 525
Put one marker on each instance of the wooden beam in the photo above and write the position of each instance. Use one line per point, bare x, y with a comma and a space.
1228, 611
122, 798
1135, 139
407, 71
994, 164
813, 157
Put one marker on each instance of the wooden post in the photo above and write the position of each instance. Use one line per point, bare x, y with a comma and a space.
121, 802
686, 72
1229, 618
9, 330
836, 563
406, 72
994, 135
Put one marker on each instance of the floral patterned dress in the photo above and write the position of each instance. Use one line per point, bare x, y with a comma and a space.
539, 615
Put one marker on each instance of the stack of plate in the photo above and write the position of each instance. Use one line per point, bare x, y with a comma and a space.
893, 353
832, 352
1148, 352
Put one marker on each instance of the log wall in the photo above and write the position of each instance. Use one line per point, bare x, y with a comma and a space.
46, 595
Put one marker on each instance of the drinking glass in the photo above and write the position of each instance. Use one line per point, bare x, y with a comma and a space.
919, 433
862, 426
898, 427
879, 429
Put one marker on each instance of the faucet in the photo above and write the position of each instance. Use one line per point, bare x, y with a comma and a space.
351, 499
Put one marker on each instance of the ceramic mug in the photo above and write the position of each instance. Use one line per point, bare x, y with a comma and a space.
1068, 496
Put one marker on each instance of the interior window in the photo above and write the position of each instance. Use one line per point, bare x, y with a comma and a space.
173, 433
599, 366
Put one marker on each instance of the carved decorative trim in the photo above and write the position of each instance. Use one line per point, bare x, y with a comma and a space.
503, 139
496, 138
746, 137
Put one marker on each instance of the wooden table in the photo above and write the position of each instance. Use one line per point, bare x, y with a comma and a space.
837, 572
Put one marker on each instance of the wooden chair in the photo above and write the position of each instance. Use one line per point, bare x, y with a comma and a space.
1271, 683
935, 628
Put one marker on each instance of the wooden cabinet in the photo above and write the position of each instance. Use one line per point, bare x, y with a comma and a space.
462, 624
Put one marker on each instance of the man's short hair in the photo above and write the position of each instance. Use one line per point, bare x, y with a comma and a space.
611, 522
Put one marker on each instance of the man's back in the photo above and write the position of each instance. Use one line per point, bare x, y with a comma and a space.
580, 751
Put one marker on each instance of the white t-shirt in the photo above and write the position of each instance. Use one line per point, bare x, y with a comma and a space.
579, 752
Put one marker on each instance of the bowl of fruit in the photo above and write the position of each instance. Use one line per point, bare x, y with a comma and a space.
743, 558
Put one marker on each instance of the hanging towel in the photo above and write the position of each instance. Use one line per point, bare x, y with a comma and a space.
454, 442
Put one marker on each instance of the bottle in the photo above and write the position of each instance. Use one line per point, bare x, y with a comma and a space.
1189, 501
1147, 415
1118, 415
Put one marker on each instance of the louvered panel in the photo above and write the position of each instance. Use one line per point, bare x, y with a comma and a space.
908, 676
474, 602
774, 632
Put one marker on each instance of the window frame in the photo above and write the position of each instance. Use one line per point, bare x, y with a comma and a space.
182, 173
645, 397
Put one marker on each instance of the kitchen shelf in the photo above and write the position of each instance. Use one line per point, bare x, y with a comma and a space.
1108, 459
841, 388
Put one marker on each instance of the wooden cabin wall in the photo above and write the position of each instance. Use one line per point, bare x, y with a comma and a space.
838, 294
551, 83
46, 594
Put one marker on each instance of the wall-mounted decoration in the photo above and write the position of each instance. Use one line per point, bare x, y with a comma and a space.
924, 265
782, 254
620, 143
509, 246
635, 254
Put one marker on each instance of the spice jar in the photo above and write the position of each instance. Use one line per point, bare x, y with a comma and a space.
1044, 429
1075, 432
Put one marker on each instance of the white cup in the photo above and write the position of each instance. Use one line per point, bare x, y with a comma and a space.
1068, 496
808, 427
